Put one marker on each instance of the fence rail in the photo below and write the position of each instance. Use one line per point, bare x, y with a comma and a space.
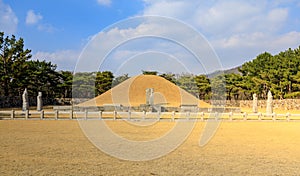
114, 115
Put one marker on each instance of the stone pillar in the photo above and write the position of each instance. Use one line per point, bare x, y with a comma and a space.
39, 106
25, 103
149, 96
152, 97
269, 109
255, 109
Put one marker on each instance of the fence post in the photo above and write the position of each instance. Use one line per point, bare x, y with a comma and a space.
42, 114
245, 116
259, 115
188, 115
230, 115
100, 114
202, 116
12, 116
158, 116
71, 114
129, 115
56, 114
115, 115
85, 114
274, 116
144, 115
288, 116
26, 114
216, 115
173, 115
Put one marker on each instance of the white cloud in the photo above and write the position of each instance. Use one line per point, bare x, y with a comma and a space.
237, 29
176, 9
32, 17
104, 2
283, 2
237, 49
278, 15
222, 18
47, 28
149, 35
8, 19
260, 40
288, 40
64, 59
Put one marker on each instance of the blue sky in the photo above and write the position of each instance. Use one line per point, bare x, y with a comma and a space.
237, 30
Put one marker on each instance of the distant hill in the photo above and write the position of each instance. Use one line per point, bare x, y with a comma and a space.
232, 70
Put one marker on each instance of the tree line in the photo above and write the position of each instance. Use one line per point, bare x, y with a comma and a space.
279, 73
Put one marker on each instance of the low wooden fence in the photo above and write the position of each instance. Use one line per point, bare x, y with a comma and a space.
114, 115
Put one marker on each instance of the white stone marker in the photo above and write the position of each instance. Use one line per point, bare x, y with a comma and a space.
39, 105
149, 96
254, 107
25, 103
269, 109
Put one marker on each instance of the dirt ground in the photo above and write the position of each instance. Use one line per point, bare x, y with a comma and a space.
49, 147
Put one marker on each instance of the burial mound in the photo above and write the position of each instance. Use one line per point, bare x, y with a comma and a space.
132, 92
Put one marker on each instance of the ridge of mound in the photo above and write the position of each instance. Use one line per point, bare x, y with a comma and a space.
132, 92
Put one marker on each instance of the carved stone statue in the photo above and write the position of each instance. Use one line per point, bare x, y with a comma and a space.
25, 103
269, 109
255, 109
39, 105
149, 96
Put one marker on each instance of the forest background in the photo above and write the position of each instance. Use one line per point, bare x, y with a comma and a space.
278, 73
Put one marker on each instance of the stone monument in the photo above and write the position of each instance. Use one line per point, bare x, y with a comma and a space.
149, 96
255, 109
269, 109
25, 103
39, 105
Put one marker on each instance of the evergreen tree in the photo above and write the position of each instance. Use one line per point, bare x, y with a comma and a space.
12, 64
103, 81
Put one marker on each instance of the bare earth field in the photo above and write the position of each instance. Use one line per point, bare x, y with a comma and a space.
49, 147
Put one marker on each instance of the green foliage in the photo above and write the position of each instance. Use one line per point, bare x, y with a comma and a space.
233, 86
276, 73
17, 72
279, 73
149, 72
87, 84
187, 82
84, 85
12, 64
65, 85
41, 76
169, 76
204, 88
103, 82
120, 79
218, 87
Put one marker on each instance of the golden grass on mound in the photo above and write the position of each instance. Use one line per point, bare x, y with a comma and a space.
132, 92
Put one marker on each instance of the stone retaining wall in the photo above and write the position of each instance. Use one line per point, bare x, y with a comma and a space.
286, 104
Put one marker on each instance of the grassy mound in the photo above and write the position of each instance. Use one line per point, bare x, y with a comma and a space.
132, 92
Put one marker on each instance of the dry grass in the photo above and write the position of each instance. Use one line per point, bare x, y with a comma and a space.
49, 147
